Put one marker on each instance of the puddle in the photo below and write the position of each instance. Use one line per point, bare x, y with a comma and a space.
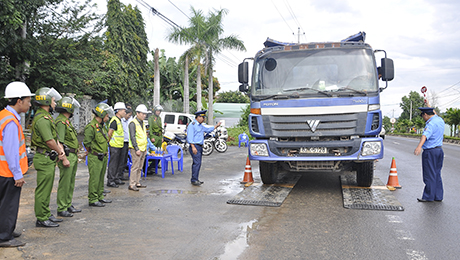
158, 192
234, 248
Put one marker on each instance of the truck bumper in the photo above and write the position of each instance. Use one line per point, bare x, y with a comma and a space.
351, 150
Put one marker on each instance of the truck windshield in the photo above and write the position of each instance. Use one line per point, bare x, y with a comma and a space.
310, 72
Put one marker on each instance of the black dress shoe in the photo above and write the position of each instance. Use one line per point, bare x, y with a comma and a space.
65, 214
197, 183
112, 184
422, 200
72, 209
16, 234
46, 223
119, 182
54, 219
105, 201
141, 186
12, 243
107, 191
97, 204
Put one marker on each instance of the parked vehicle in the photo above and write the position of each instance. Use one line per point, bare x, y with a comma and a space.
176, 139
176, 122
216, 139
316, 107
382, 132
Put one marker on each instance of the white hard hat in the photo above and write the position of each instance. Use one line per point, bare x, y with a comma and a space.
119, 105
143, 109
17, 89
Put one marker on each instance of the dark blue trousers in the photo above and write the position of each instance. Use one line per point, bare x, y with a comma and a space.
196, 165
432, 160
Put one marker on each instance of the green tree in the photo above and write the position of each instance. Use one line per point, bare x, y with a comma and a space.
205, 36
410, 104
232, 97
215, 43
452, 118
127, 40
193, 35
386, 124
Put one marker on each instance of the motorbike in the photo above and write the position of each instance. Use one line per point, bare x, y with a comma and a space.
176, 139
217, 139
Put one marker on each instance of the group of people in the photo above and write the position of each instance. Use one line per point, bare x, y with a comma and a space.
55, 142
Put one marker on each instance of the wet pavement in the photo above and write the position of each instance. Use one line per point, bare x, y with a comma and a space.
170, 219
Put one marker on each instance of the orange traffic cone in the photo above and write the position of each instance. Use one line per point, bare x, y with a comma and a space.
248, 173
393, 178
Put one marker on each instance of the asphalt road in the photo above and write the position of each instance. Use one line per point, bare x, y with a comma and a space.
172, 219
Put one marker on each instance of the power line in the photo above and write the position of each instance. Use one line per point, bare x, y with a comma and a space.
282, 17
179, 9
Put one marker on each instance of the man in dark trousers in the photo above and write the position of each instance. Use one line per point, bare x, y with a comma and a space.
13, 160
116, 136
195, 137
433, 155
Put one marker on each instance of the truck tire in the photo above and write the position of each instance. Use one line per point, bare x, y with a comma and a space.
268, 172
365, 174
207, 148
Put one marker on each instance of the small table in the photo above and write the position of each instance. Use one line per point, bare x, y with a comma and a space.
164, 163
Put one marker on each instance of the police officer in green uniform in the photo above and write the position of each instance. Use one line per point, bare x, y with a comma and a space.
156, 127
96, 144
68, 138
48, 148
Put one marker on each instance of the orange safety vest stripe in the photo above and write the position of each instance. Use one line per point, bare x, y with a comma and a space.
5, 118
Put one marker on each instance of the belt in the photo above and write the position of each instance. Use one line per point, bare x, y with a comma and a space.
198, 144
41, 150
94, 153
433, 148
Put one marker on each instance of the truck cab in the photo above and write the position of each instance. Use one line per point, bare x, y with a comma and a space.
316, 107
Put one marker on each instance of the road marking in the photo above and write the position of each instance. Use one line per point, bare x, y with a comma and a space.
394, 219
404, 235
416, 255
396, 143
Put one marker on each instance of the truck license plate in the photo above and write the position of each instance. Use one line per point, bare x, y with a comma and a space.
313, 150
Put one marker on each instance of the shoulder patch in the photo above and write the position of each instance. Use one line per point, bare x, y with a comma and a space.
193, 123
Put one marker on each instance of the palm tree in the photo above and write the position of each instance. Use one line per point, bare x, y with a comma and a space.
204, 34
214, 45
194, 35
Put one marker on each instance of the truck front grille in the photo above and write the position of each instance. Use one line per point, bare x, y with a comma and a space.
326, 125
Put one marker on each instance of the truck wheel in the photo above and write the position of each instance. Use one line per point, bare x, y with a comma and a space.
268, 172
207, 148
365, 174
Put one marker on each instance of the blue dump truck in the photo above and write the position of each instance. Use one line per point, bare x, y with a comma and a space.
316, 107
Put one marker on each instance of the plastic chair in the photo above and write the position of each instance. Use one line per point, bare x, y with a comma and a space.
174, 150
243, 138
85, 151
129, 163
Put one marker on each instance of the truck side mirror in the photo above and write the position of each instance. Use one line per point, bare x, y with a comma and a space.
244, 88
387, 69
243, 72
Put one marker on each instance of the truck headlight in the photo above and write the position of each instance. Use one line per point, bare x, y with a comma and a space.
258, 149
371, 148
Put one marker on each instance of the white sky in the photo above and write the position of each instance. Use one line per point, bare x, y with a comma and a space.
422, 37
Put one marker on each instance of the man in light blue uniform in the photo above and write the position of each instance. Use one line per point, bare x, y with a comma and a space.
195, 137
433, 155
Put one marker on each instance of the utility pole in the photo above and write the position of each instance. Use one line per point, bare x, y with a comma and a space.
410, 114
298, 35
156, 79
